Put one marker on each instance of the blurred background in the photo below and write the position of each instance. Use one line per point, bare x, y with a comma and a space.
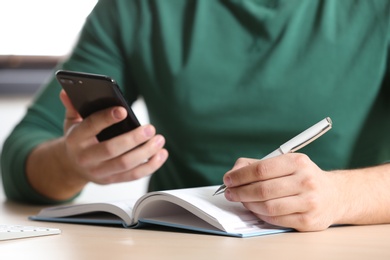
35, 35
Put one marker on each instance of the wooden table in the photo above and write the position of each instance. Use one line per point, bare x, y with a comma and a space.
97, 242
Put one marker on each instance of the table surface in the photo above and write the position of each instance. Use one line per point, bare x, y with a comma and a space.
101, 242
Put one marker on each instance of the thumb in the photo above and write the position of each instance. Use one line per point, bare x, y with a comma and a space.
71, 115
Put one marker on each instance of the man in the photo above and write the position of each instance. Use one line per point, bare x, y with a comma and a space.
224, 80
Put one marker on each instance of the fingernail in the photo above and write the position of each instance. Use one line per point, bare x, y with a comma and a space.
228, 195
162, 156
117, 113
228, 181
159, 142
149, 132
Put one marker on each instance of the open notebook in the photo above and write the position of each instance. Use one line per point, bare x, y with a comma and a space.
193, 209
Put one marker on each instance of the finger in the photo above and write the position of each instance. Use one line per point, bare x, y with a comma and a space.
277, 207
265, 190
242, 162
71, 112
299, 221
266, 169
116, 146
131, 159
302, 212
142, 170
95, 123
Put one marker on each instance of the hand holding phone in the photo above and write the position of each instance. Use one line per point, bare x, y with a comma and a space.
90, 93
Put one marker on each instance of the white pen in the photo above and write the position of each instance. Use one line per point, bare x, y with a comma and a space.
296, 143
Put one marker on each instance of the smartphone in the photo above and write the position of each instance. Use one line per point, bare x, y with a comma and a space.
90, 93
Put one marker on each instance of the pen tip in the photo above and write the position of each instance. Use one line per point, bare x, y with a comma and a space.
218, 192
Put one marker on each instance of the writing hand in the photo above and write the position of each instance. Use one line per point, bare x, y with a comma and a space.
288, 190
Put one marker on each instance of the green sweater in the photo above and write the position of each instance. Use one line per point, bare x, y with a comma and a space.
229, 79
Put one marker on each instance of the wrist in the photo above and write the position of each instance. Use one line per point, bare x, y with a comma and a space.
50, 172
362, 195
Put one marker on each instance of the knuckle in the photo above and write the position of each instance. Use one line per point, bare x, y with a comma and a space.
109, 149
240, 160
309, 183
275, 220
149, 167
140, 171
306, 222
109, 179
137, 174
152, 164
235, 194
301, 160
312, 203
270, 209
90, 124
263, 191
261, 170
136, 139
123, 163
140, 137
99, 121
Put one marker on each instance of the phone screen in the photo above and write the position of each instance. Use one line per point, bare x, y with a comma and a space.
90, 93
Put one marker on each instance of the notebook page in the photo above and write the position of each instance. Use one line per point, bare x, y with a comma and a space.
232, 216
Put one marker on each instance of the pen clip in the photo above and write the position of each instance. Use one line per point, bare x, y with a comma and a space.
307, 136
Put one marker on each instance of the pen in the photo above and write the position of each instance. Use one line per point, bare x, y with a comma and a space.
296, 143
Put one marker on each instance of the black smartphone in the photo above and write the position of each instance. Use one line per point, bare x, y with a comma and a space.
90, 93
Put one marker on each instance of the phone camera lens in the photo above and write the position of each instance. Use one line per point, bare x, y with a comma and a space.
67, 81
